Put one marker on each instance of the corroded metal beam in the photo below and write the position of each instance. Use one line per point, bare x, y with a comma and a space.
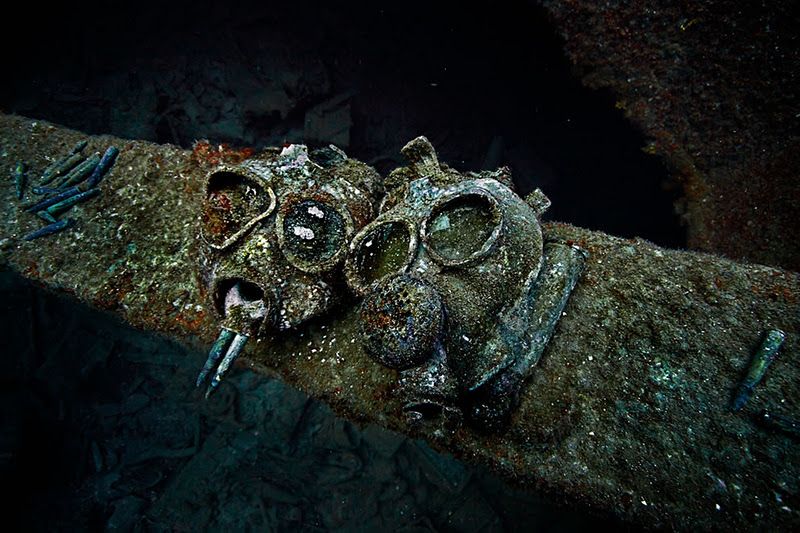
629, 410
687, 73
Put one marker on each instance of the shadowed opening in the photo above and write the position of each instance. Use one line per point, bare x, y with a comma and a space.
248, 291
423, 410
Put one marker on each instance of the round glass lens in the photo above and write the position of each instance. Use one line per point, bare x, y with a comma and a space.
461, 227
231, 202
383, 251
313, 231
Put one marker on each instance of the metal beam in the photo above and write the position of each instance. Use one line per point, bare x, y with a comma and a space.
629, 410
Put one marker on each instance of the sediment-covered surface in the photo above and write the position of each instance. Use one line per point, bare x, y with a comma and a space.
714, 84
628, 411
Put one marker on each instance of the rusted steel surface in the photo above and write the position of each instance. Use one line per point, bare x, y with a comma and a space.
627, 412
713, 85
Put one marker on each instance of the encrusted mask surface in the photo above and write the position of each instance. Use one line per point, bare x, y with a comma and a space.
449, 272
274, 232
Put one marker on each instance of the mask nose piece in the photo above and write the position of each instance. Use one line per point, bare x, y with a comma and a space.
402, 320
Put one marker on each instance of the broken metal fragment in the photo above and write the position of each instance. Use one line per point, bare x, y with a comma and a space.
19, 178
763, 357
71, 201
49, 230
107, 161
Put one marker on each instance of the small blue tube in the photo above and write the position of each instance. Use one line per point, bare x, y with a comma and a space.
107, 161
44, 204
49, 230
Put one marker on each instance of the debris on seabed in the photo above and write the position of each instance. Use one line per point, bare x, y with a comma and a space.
19, 178
78, 178
102, 168
49, 230
72, 200
65, 164
759, 364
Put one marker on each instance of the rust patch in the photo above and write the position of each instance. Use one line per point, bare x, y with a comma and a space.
114, 291
205, 153
191, 321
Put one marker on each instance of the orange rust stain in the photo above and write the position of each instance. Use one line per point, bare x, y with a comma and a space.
721, 283
379, 320
114, 292
191, 321
203, 152
32, 270
310, 194
582, 244
215, 223
781, 288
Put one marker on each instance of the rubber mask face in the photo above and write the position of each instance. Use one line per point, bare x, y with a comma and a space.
275, 232
460, 294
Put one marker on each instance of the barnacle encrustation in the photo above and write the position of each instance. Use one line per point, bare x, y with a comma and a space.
275, 230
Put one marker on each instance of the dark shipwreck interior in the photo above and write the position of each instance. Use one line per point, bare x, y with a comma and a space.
102, 428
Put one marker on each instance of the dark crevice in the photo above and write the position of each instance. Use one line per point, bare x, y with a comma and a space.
248, 291
488, 86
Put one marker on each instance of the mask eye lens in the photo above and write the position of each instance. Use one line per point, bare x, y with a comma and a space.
234, 203
313, 233
383, 251
462, 229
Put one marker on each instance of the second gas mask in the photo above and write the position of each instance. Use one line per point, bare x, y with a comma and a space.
275, 231
460, 293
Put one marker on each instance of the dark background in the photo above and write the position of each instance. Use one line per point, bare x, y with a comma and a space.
488, 86
101, 428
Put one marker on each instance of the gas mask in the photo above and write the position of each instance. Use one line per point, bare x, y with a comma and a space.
461, 294
275, 231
